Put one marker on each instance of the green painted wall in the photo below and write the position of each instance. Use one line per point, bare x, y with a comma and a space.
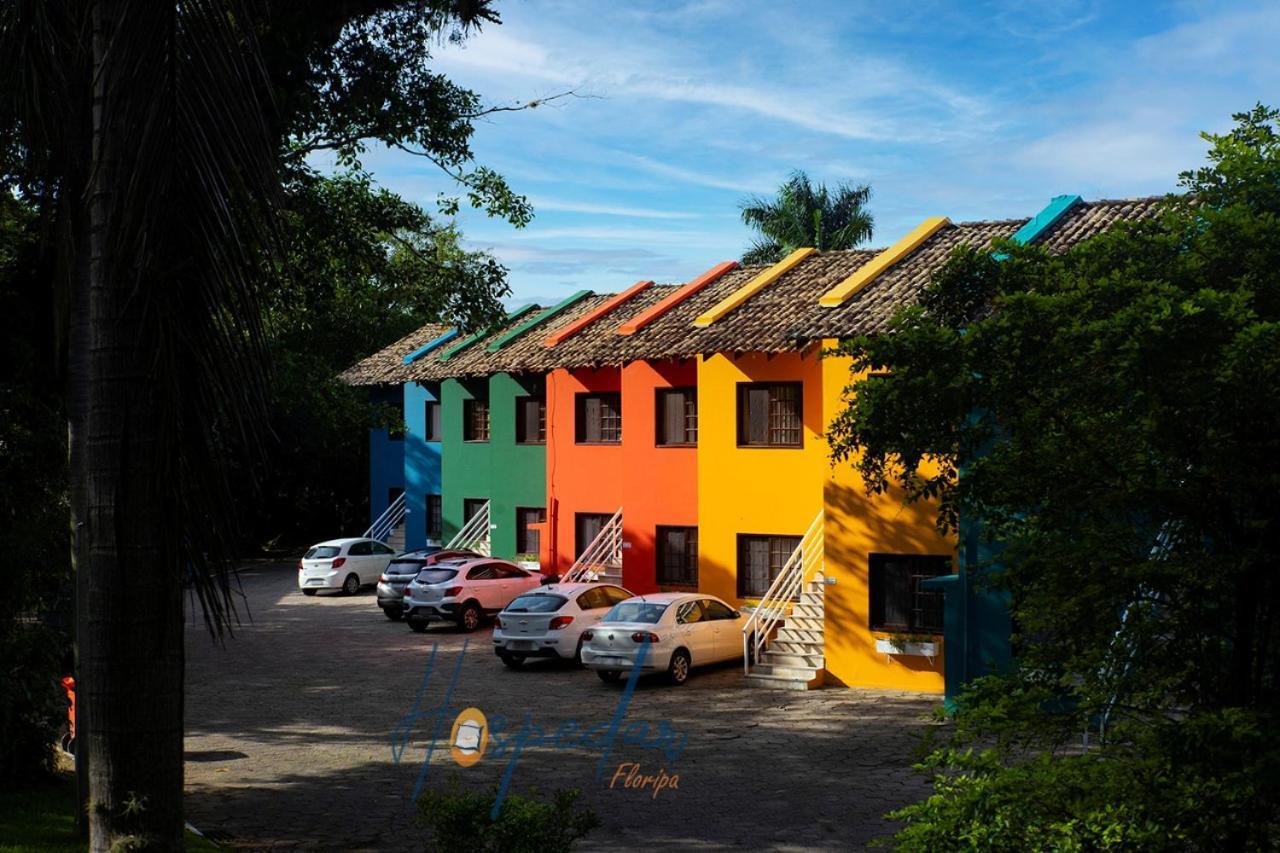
510, 475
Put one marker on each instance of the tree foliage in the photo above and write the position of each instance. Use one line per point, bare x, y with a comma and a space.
802, 214
1112, 410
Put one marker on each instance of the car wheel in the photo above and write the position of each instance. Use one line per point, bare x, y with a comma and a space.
609, 676
513, 661
469, 618
351, 585
393, 614
577, 655
418, 626
308, 592
678, 670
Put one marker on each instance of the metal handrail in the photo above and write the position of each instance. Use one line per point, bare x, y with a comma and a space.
474, 535
796, 572
385, 524
604, 551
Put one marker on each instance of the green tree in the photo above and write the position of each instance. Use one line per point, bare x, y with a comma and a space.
1113, 410
157, 143
804, 215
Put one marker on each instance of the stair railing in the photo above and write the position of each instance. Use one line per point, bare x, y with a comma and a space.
385, 524
604, 552
804, 562
474, 535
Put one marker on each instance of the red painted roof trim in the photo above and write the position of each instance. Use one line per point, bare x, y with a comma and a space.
591, 316
637, 323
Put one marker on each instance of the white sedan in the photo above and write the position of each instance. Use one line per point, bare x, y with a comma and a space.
549, 621
677, 630
345, 564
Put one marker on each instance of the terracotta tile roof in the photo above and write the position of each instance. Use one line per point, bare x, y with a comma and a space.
1091, 218
599, 343
385, 366
868, 311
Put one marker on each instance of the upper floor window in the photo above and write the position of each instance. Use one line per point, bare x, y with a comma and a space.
769, 414
531, 420
599, 418
475, 420
677, 412
431, 421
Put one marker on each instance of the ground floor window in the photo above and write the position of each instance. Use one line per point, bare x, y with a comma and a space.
471, 507
587, 526
897, 601
677, 555
435, 517
529, 538
760, 560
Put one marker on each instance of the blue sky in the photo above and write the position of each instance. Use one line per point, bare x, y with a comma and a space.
968, 110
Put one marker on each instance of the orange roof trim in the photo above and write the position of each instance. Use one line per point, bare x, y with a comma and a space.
591, 316
656, 310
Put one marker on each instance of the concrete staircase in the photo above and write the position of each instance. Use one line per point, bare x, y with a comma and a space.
396, 540
794, 659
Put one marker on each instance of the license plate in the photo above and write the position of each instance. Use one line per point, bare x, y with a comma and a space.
521, 645
316, 581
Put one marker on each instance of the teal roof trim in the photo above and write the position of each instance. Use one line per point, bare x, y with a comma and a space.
559, 308
1042, 222
471, 339
429, 346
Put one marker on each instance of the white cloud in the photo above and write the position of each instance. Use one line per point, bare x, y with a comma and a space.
540, 204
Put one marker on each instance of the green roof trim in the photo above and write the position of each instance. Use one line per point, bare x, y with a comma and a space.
471, 339
559, 308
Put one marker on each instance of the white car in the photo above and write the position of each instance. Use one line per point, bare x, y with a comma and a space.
345, 564
678, 630
464, 591
549, 621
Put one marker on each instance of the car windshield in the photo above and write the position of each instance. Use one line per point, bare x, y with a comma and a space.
536, 604
322, 552
636, 611
437, 575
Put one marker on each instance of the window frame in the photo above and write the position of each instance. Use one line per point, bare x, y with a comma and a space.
579, 417
777, 548
470, 421
660, 554
432, 424
520, 425
434, 505
690, 393
578, 517
921, 601
522, 529
743, 415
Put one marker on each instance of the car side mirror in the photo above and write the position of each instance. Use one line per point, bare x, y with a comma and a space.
737, 614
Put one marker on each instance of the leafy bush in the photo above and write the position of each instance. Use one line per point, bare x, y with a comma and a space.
31, 705
459, 819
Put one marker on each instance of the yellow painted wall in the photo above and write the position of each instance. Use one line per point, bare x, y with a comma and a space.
858, 525
753, 490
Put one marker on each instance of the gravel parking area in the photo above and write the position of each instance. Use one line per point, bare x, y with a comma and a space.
290, 726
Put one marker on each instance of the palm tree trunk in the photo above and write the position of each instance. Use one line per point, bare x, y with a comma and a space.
131, 634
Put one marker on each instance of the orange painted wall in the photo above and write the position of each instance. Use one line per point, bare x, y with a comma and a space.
653, 485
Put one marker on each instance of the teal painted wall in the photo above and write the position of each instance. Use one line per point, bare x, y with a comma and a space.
510, 475
422, 462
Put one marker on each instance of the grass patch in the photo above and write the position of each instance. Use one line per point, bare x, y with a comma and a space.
41, 819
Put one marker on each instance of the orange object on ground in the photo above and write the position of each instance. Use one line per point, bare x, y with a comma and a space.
69, 685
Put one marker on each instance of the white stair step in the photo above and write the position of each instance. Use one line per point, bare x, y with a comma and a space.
807, 610
799, 635
774, 657
803, 673
775, 682
805, 623
792, 648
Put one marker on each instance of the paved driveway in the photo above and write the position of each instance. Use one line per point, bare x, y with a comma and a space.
290, 728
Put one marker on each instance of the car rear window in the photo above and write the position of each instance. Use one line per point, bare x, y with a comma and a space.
536, 604
635, 611
401, 567
436, 575
322, 552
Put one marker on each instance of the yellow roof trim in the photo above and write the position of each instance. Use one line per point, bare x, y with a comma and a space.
871, 270
751, 288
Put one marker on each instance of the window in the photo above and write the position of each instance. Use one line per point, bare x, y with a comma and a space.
599, 418
615, 594
529, 539
717, 610
485, 572
769, 414
677, 412
594, 599
471, 507
897, 601
475, 420
678, 555
760, 559
689, 612
361, 549
435, 517
379, 548
531, 420
431, 421
587, 526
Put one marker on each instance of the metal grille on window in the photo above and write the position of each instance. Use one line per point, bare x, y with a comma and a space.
784, 415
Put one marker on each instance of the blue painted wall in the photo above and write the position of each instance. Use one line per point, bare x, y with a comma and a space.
421, 462
386, 457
